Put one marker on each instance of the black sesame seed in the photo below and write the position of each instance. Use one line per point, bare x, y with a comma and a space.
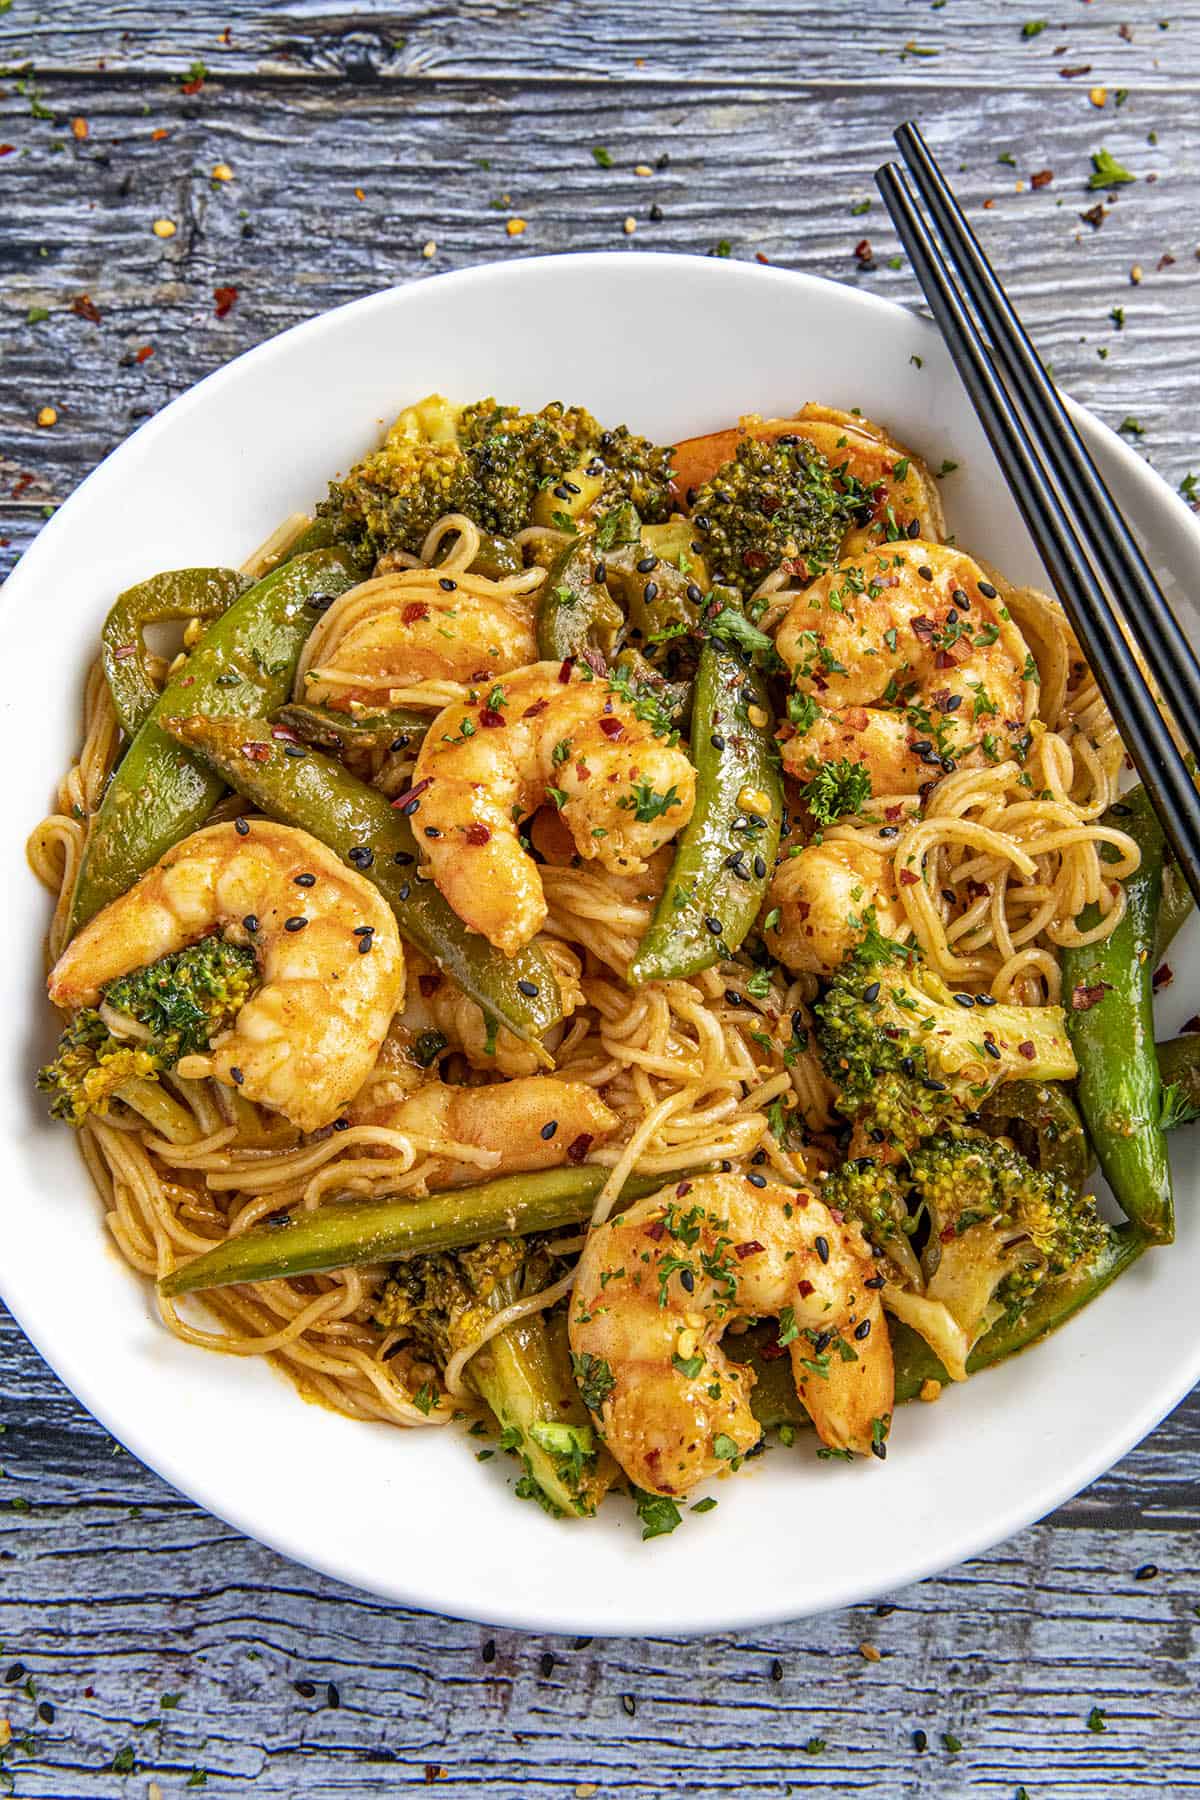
295, 924
884, 1610
363, 930
403, 858
777, 1670
758, 1181
717, 741
932, 1086
646, 564
992, 1049
650, 592
546, 1665
986, 589
889, 831
561, 492
953, 703
431, 831
732, 997
760, 868
914, 528
15, 1672
879, 1450
294, 750
986, 1000
251, 923
952, 617
863, 1330
760, 1156
797, 1023
236, 1076
925, 572
628, 1705
655, 217
305, 880
582, 1643
242, 827
687, 1281
921, 746
871, 993
959, 598
875, 1281
570, 486
908, 1065
822, 1245
600, 573
549, 1129
332, 1695
322, 603
920, 1742
45, 1712
528, 988
822, 1342
1147, 1572
408, 809
341, 1124
307, 1690
714, 925
965, 999
405, 890
488, 1652
365, 945
361, 856
445, 582
724, 1165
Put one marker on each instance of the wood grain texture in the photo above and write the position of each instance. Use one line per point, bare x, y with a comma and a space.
113, 1591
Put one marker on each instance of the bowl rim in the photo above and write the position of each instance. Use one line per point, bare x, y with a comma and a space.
1045, 1495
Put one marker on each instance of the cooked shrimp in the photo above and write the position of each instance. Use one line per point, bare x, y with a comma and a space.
899, 487
534, 1122
385, 635
549, 731
328, 954
821, 894
659, 1285
911, 661
438, 1016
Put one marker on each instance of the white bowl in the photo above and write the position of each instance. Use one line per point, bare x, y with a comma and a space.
673, 345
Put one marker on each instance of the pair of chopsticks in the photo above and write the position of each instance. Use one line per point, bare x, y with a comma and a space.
1073, 519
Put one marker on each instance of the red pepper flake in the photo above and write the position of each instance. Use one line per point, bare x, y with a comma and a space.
477, 833
1165, 260
490, 719
579, 1149
1076, 69
84, 307
947, 1234
755, 559
751, 1247
1042, 178
803, 908
158, 134
583, 773
804, 1289
1095, 215
893, 812
539, 706
759, 257
565, 667
1084, 997
259, 753
612, 728
20, 484
863, 253
429, 984
191, 87
7, 149
656, 1230
944, 660
413, 793
923, 628
795, 565
771, 1351
144, 354
285, 734
224, 296
1162, 978
416, 609
1026, 1050
682, 1189
908, 878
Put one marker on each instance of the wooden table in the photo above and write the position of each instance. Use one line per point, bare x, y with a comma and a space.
305, 154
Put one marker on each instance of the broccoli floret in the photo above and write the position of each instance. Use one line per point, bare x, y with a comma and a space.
394, 495
442, 1302
777, 501
997, 1227
875, 1194
908, 1057
637, 469
183, 1001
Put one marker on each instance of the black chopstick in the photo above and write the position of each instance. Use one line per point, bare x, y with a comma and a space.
1168, 654
1060, 543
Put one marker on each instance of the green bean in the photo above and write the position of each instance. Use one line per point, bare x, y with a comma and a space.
374, 835
1045, 1125
726, 853
1108, 993
175, 594
1179, 1066
342, 1233
402, 728
242, 667
775, 1400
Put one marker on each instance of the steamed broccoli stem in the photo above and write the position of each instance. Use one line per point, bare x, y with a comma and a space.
542, 1418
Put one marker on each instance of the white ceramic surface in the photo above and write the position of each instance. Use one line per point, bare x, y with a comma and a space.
673, 345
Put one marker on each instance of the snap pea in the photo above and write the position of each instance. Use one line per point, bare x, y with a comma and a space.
317, 794
775, 1401
341, 1233
243, 666
1107, 989
726, 852
400, 729
1179, 1066
175, 594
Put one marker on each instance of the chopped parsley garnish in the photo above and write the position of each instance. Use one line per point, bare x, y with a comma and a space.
1107, 172
837, 788
659, 1515
647, 805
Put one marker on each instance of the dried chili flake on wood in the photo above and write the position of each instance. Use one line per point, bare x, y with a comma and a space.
225, 297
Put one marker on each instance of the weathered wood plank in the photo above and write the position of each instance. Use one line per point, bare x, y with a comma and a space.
971, 41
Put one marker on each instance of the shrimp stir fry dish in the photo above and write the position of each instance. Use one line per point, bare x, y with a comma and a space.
636, 948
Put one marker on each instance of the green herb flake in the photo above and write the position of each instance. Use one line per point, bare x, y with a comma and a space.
1107, 172
1095, 1720
601, 157
659, 1515
703, 1506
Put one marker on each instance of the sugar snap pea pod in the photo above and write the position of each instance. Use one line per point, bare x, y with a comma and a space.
317, 794
1107, 990
1044, 1123
243, 666
775, 1402
341, 1233
726, 852
402, 728
175, 594
575, 611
